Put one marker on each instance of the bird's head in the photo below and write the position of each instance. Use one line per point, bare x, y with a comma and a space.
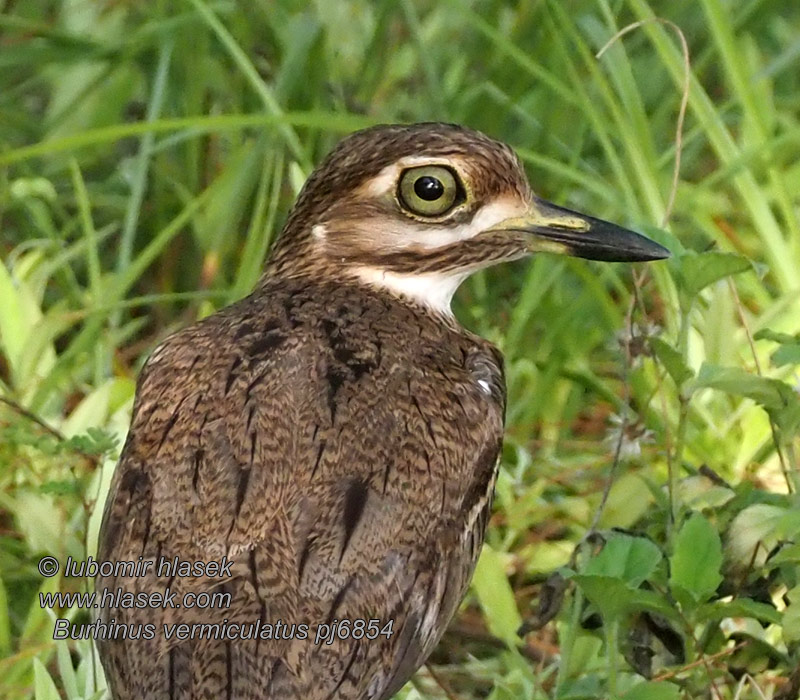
417, 208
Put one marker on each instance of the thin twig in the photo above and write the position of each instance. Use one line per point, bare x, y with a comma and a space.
441, 683
639, 279
703, 661
461, 633
749, 680
623, 426
49, 429
25, 413
773, 427
687, 75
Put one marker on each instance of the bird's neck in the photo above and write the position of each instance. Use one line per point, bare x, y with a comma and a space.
432, 291
426, 294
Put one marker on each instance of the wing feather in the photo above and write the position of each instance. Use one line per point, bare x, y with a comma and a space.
316, 457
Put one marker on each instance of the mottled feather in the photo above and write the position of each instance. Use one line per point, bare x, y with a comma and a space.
336, 443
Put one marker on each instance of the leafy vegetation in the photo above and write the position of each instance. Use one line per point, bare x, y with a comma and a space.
646, 536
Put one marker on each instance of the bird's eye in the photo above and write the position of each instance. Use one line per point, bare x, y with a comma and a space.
430, 190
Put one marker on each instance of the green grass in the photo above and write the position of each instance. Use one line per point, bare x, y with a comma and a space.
148, 155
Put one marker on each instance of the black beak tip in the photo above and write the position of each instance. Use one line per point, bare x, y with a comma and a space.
612, 243
652, 251
640, 249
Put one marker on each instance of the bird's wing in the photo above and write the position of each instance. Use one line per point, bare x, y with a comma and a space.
255, 439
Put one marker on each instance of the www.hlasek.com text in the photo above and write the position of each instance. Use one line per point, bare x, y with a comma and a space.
120, 599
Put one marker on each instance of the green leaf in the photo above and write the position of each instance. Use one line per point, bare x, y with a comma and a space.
629, 559
791, 617
586, 686
65, 669
5, 622
672, 360
699, 271
62, 487
225, 207
782, 338
628, 500
614, 599
788, 353
695, 564
698, 492
653, 690
14, 322
755, 530
95, 441
495, 596
740, 607
43, 686
38, 626
770, 393
789, 554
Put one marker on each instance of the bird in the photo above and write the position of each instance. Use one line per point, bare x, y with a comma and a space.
333, 438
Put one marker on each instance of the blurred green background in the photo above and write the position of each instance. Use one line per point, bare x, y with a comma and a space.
149, 153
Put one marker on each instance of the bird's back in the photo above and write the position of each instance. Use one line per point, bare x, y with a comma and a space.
339, 447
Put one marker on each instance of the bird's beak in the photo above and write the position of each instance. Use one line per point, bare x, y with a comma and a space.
558, 230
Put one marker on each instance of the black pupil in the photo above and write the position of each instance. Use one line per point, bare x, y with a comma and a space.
428, 188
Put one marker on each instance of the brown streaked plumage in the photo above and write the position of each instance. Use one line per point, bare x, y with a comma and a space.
336, 433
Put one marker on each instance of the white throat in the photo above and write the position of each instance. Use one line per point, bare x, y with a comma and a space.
433, 290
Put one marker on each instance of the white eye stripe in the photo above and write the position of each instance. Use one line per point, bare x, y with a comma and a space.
423, 235
401, 233
385, 182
